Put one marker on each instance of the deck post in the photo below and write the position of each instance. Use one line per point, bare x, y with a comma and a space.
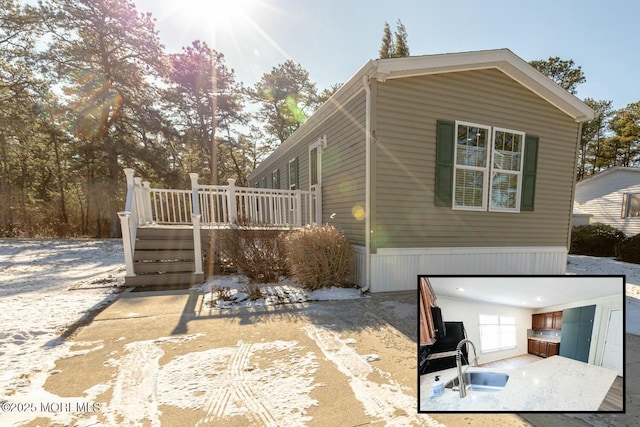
129, 173
298, 207
194, 188
125, 224
146, 200
138, 200
231, 202
197, 243
318, 205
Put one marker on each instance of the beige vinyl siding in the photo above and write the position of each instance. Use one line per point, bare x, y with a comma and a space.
343, 171
407, 111
343, 166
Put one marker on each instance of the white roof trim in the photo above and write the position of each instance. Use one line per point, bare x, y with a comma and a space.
608, 171
501, 59
395, 68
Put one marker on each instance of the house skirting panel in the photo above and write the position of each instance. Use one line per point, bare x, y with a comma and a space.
397, 269
359, 269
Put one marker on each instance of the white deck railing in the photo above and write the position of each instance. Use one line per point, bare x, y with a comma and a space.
228, 205
212, 205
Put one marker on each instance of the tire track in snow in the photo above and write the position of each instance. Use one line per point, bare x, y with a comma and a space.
134, 393
234, 384
383, 401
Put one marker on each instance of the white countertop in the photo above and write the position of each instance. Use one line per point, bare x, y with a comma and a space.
557, 340
552, 384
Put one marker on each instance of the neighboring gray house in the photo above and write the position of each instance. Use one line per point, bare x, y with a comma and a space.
612, 197
458, 163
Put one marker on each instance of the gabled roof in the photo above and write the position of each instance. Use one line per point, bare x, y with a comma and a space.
501, 59
410, 66
609, 171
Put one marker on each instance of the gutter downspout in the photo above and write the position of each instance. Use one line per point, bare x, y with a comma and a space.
367, 184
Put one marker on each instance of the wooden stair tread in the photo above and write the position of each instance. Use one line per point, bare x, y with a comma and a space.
164, 279
163, 267
164, 256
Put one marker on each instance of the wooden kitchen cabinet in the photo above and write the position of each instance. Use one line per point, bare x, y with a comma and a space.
553, 349
557, 320
547, 321
537, 321
543, 348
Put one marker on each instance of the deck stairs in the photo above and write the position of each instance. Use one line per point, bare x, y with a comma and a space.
164, 256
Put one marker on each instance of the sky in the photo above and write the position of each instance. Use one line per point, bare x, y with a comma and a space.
333, 39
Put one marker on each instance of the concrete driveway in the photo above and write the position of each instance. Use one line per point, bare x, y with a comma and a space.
162, 358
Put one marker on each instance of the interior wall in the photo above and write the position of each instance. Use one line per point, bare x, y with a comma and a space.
456, 310
603, 306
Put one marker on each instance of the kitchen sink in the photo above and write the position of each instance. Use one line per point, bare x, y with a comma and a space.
481, 381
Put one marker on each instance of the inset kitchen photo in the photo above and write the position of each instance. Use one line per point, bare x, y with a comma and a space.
521, 344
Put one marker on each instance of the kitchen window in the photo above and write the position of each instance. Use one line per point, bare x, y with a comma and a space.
497, 332
488, 164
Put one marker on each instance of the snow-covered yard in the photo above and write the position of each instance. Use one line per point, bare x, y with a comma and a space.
48, 287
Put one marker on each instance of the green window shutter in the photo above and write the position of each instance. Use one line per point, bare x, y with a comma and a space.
527, 197
444, 162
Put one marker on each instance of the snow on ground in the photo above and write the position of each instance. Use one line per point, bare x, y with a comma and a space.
581, 264
45, 287
225, 292
48, 287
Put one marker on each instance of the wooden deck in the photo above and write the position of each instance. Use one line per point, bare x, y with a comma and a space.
166, 231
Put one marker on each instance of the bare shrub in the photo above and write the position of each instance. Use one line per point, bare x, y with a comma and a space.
258, 252
319, 257
253, 291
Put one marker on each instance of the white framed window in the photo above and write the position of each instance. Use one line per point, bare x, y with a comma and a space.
488, 164
275, 179
507, 157
497, 332
293, 174
631, 205
471, 159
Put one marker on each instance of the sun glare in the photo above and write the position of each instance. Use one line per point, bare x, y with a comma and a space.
241, 29
219, 13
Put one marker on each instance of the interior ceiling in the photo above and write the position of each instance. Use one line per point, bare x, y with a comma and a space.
530, 292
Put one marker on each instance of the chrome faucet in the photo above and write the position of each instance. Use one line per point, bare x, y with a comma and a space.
461, 385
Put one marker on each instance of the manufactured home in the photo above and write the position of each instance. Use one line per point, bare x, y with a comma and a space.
458, 163
612, 197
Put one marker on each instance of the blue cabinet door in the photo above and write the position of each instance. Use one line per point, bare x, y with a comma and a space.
585, 328
577, 326
569, 340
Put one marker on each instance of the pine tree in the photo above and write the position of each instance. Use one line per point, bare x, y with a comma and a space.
394, 45
401, 46
624, 145
564, 73
387, 48
286, 97
105, 55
